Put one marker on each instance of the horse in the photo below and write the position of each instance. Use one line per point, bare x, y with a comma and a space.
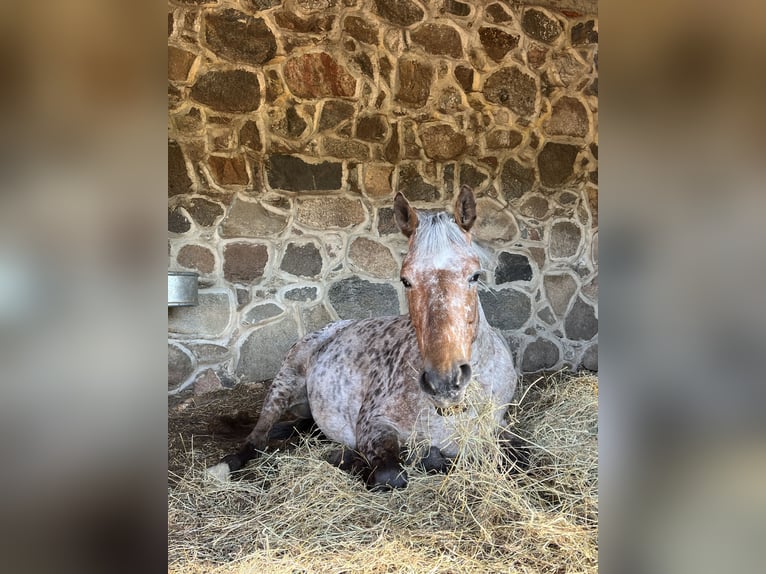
374, 384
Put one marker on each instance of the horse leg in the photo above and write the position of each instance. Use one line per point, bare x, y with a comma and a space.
379, 444
435, 461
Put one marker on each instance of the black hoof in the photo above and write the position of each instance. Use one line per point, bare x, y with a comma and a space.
435, 462
387, 478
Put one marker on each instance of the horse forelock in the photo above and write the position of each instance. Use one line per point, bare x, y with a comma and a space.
437, 234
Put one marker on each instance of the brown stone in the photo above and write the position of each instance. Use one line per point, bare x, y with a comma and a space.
318, 75
441, 142
377, 180
399, 12
535, 206
179, 64
178, 177
536, 55
493, 223
556, 163
538, 25
292, 173
497, 13
559, 289
464, 77
564, 239
512, 88
315, 24
244, 262
496, 42
204, 211
372, 128
287, 122
334, 112
228, 91
346, 149
239, 37
361, 29
250, 219
503, 139
568, 118
228, 170
450, 101
330, 212
413, 186
373, 258
516, 180
196, 257
392, 151
250, 136
177, 222
438, 40
180, 366
415, 79
207, 382
584, 33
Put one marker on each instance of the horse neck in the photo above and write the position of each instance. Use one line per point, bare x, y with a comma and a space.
483, 344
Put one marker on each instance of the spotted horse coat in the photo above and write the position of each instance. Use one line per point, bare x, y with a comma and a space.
373, 384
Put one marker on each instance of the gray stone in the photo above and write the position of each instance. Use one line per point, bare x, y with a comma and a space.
568, 118
415, 79
496, 42
302, 260
493, 223
178, 177
386, 222
559, 289
556, 163
438, 40
330, 212
264, 349
372, 257
180, 366
314, 318
564, 240
291, 173
590, 358
204, 211
538, 25
207, 381
412, 185
539, 355
228, 91
207, 353
208, 319
512, 267
177, 222
547, 315
506, 309
516, 180
355, 298
581, 323
262, 312
302, 294
249, 219
534, 206
512, 88
590, 289
318, 75
239, 38
244, 262
441, 142
399, 12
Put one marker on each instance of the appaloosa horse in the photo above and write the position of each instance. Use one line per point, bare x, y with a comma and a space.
373, 384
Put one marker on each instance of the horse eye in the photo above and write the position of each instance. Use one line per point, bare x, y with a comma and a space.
406, 282
475, 277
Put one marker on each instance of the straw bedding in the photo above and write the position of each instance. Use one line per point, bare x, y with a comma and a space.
525, 503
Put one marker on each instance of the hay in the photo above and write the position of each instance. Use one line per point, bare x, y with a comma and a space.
292, 512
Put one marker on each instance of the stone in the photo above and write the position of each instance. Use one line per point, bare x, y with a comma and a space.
503, 139
457, 8
287, 123
590, 289
262, 312
506, 309
315, 24
178, 177
346, 149
516, 180
415, 78
564, 240
303, 260
196, 257
538, 25
373, 258
365, 64
360, 29
568, 68
392, 151
318, 75
250, 136
330, 212
493, 223
207, 382
540, 355
441, 142
581, 323
228, 170
584, 33
497, 13
536, 55
334, 112
534, 206
496, 42
180, 366
377, 180
438, 40
464, 77
590, 358
228, 91
292, 173
512, 267
250, 219
372, 128
259, 5
450, 101
559, 289
206, 320
356, 298
568, 118
556, 163
386, 223
512, 88
207, 353
314, 318
264, 348
412, 185
204, 211
547, 315
179, 64
472, 177
177, 222
302, 294
239, 38
399, 12
592, 89
244, 262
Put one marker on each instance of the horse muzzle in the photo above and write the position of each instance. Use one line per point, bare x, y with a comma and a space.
446, 391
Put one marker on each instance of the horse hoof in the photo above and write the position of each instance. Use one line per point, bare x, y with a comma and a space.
388, 479
219, 472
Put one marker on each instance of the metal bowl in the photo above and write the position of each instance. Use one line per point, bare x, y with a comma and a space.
182, 288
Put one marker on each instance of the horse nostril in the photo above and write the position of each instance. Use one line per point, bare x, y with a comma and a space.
426, 383
465, 373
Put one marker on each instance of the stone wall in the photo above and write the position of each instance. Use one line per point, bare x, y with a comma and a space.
292, 125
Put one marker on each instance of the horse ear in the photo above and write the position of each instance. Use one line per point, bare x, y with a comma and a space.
465, 208
406, 217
